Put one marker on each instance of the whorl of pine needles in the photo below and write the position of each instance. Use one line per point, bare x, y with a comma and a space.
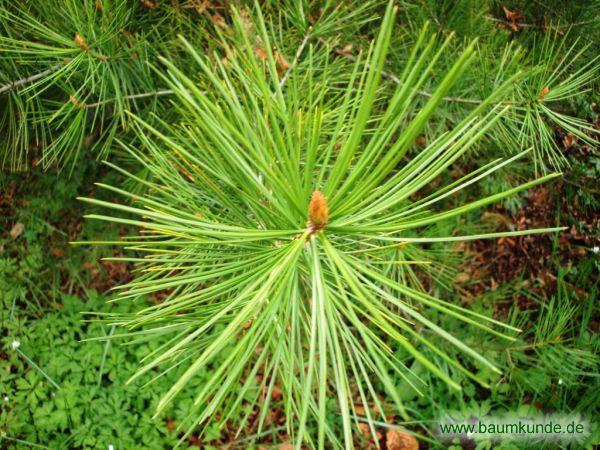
255, 157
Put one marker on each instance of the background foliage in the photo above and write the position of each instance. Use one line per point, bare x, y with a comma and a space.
71, 115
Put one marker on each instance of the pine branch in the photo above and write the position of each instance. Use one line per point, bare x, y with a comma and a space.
299, 52
508, 24
541, 26
128, 97
396, 80
305, 40
30, 79
535, 345
252, 243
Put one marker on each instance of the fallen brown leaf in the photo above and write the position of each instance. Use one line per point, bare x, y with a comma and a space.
364, 428
261, 53
462, 277
568, 141
398, 440
513, 18
360, 410
282, 64
16, 230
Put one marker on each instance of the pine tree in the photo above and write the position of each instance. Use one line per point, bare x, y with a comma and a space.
270, 213
288, 169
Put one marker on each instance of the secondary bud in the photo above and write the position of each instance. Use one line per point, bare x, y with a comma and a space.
81, 42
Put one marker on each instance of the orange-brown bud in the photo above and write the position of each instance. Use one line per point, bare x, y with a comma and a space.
318, 213
81, 42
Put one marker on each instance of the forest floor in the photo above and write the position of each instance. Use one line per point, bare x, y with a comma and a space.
47, 284
62, 386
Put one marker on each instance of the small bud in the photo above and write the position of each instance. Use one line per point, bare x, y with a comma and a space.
81, 42
15, 345
318, 213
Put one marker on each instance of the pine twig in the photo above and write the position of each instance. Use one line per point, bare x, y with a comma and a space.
532, 25
297, 57
472, 101
396, 80
130, 97
30, 79
507, 23
535, 345
299, 52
